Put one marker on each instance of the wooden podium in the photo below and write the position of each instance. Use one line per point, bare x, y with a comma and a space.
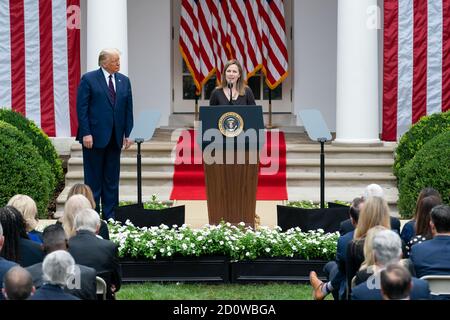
231, 139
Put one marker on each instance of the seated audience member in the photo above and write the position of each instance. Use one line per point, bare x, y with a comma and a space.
396, 283
85, 190
335, 270
5, 265
375, 212
55, 239
58, 269
432, 257
422, 225
73, 205
27, 207
372, 190
408, 230
387, 249
17, 246
18, 284
102, 254
367, 267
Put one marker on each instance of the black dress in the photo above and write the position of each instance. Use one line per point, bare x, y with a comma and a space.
218, 98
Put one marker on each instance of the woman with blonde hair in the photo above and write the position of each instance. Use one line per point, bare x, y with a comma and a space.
85, 190
27, 207
73, 205
374, 213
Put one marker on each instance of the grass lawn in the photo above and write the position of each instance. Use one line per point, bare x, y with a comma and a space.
182, 291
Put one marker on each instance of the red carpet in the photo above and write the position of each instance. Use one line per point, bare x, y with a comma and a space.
189, 179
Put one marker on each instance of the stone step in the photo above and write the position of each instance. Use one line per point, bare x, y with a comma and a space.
310, 179
293, 165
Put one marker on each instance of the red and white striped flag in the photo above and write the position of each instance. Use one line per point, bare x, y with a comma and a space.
251, 31
416, 62
40, 62
274, 49
196, 44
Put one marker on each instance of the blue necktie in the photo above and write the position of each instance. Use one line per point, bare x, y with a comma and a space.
112, 92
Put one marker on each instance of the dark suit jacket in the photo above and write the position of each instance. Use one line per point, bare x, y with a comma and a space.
100, 254
5, 265
51, 292
347, 226
432, 257
419, 291
341, 255
30, 253
97, 116
88, 289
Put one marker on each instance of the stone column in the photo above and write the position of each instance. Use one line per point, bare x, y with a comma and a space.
107, 28
357, 114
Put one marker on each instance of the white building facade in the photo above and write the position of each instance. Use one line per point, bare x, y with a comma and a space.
335, 54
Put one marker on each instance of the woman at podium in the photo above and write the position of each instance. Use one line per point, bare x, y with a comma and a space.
232, 90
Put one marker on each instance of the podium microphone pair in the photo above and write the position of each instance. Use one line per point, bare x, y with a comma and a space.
230, 86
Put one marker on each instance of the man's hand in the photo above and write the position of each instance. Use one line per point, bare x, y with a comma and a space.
88, 142
127, 143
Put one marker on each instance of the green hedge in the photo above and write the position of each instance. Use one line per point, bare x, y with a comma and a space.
429, 168
22, 169
413, 140
40, 140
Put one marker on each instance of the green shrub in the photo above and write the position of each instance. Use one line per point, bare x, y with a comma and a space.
22, 169
429, 168
413, 140
39, 139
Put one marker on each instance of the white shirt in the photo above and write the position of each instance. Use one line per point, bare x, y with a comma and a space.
106, 74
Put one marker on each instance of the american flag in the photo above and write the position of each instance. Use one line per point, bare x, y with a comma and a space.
40, 61
251, 31
416, 62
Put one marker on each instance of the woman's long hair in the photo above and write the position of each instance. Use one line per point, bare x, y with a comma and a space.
14, 228
240, 84
73, 205
375, 212
425, 192
27, 207
369, 257
423, 214
85, 190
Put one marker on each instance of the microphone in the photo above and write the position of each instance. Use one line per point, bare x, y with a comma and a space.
230, 86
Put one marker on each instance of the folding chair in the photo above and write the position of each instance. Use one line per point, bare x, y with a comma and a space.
439, 284
101, 288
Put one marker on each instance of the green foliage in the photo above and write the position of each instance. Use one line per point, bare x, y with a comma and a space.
415, 138
430, 167
22, 169
40, 140
237, 243
152, 204
308, 204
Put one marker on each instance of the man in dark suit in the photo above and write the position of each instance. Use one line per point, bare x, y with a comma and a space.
396, 283
5, 265
90, 250
84, 286
105, 121
57, 268
387, 249
432, 257
336, 269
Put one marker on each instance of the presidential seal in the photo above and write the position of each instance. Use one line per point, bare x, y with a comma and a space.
231, 124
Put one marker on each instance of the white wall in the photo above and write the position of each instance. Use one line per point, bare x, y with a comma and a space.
314, 57
149, 52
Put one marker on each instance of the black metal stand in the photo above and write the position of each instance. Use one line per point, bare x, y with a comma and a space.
322, 171
139, 141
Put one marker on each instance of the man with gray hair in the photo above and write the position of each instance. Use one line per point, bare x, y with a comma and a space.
387, 249
105, 121
18, 284
5, 264
58, 267
102, 255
